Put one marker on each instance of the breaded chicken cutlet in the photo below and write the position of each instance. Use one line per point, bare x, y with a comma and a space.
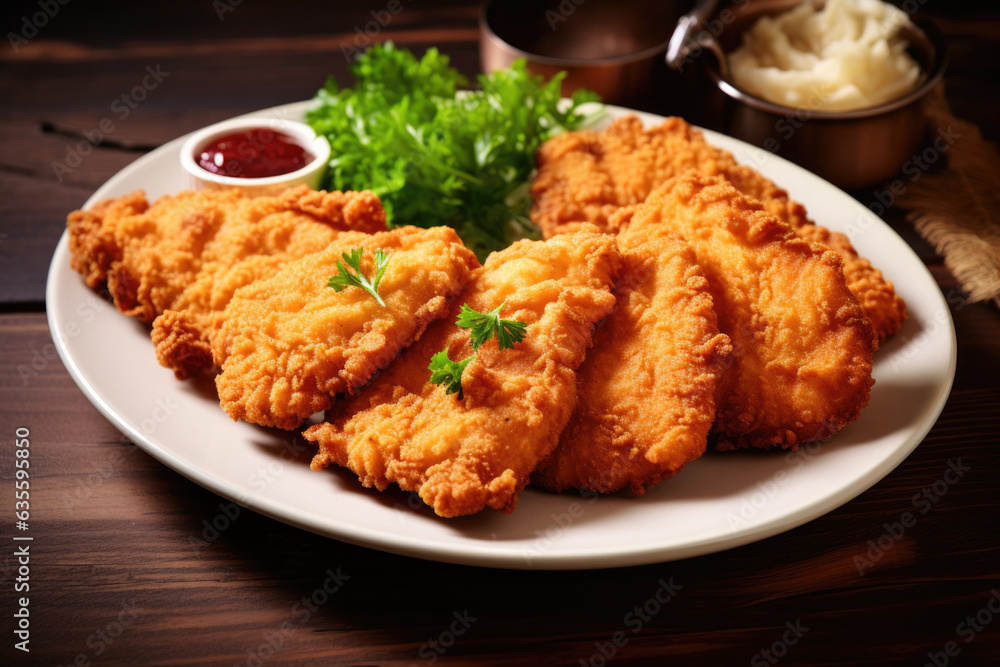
586, 176
177, 262
646, 391
461, 455
802, 348
288, 343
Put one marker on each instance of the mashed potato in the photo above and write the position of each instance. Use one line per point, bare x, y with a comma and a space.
847, 55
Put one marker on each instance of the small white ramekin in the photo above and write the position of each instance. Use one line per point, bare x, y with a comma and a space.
197, 178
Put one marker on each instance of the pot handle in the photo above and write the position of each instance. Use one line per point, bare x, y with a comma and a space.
689, 35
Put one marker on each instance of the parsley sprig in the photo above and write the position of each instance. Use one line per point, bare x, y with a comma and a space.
448, 373
345, 278
487, 325
484, 326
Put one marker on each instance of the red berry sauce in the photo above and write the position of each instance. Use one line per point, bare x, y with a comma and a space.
256, 153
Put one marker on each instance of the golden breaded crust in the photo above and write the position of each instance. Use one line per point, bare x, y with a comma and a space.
92, 244
288, 343
800, 369
587, 176
464, 455
646, 391
189, 252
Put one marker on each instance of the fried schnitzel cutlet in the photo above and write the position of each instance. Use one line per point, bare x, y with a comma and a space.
180, 260
586, 176
463, 455
800, 368
288, 343
646, 391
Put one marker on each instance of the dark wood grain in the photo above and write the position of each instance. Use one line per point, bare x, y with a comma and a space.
122, 539
117, 527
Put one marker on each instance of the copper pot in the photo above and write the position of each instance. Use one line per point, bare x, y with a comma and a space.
613, 47
851, 149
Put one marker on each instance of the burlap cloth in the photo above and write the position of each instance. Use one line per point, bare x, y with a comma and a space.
957, 209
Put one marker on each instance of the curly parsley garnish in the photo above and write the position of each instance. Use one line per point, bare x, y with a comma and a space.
488, 325
434, 156
484, 326
345, 278
448, 373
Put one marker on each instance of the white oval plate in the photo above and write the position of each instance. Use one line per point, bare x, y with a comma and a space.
718, 502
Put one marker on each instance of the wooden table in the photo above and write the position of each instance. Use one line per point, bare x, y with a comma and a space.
114, 575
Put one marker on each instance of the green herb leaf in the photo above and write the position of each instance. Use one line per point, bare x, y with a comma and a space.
345, 278
435, 156
446, 372
488, 325
484, 326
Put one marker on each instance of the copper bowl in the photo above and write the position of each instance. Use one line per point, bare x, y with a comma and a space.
851, 149
612, 47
